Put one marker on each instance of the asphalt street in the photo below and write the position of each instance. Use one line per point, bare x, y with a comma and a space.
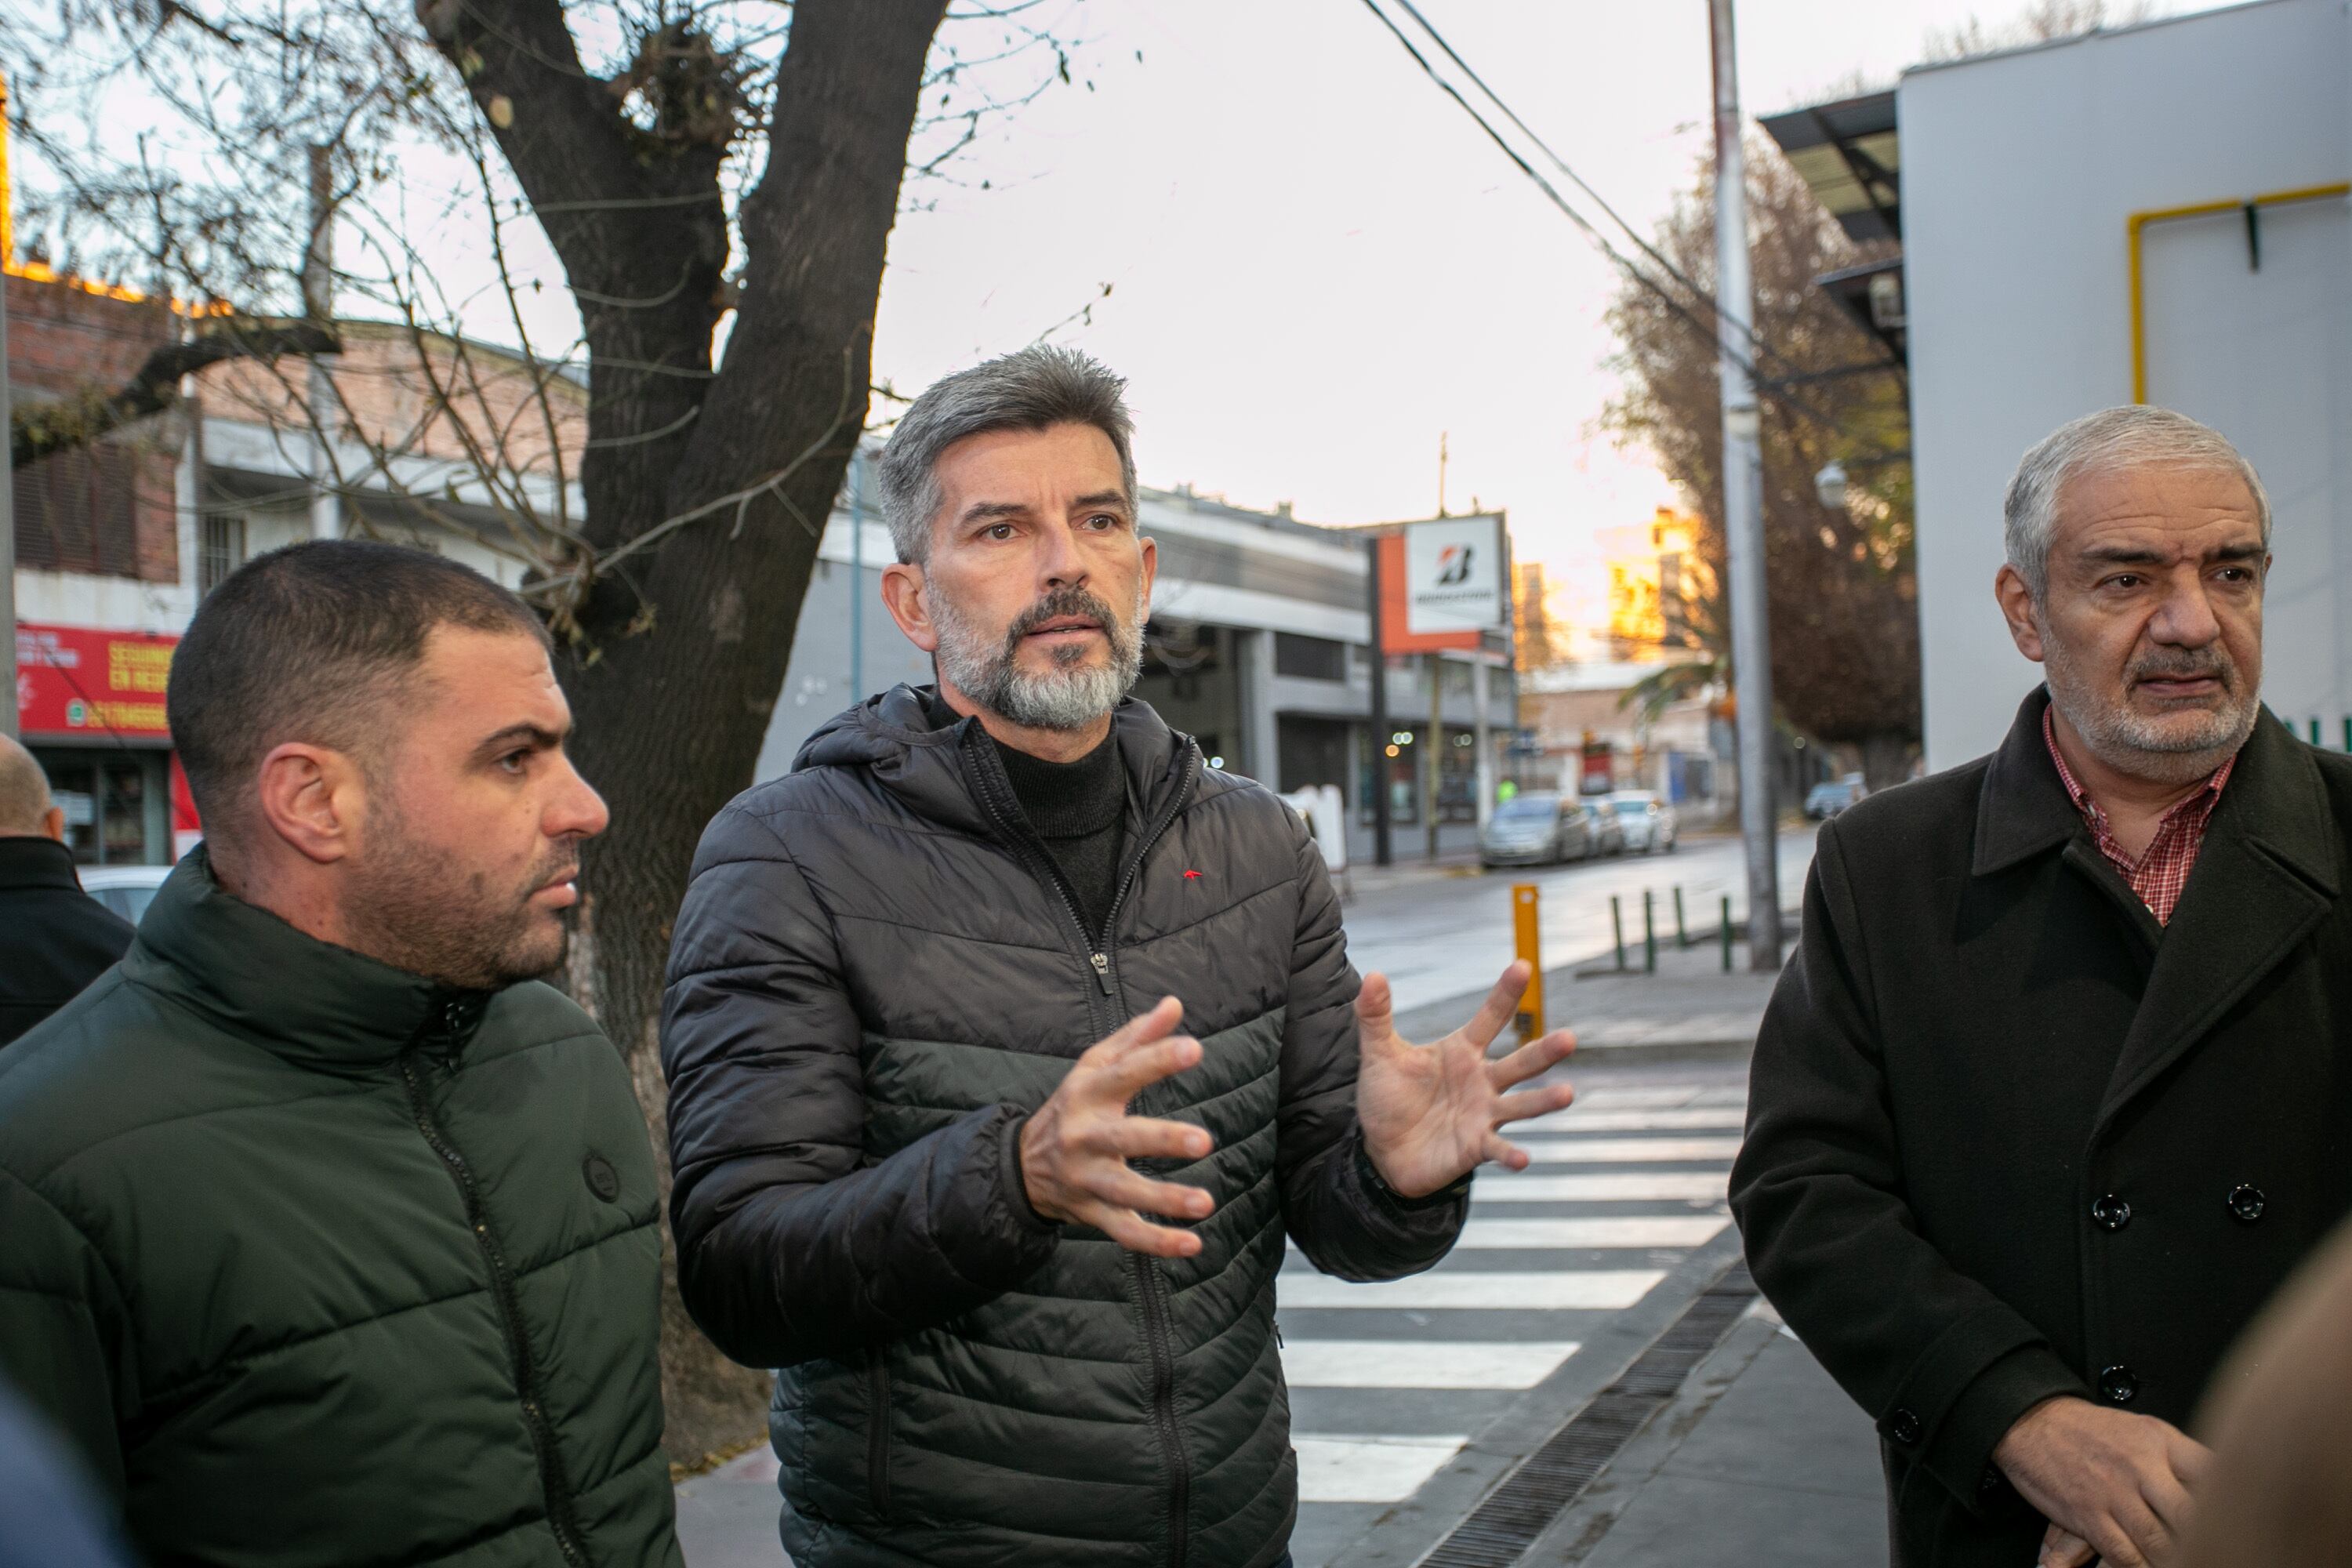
1442, 932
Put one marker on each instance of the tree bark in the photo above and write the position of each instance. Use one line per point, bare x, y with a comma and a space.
680, 652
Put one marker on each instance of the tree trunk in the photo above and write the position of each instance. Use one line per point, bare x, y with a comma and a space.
682, 649
1886, 758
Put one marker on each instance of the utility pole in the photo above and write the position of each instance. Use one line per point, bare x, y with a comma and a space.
1743, 505
1441, 473
8, 469
1382, 806
319, 305
1433, 744
857, 572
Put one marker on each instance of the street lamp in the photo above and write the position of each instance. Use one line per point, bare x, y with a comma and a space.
1829, 485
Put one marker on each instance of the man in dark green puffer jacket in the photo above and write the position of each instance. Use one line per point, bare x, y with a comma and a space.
325, 1235
917, 988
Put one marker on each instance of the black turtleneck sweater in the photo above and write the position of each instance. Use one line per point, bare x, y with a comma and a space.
1078, 809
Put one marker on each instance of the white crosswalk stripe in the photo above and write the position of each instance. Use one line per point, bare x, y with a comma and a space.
1377, 1412
1542, 1290
1606, 1187
1408, 1363
1626, 1151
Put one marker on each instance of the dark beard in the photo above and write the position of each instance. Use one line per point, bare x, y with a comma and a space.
416, 911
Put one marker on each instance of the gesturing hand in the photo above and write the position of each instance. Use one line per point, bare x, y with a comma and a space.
1429, 1112
2113, 1486
1075, 1148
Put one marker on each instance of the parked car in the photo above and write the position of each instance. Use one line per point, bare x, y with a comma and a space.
1608, 833
1538, 827
1647, 822
1827, 799
125, 889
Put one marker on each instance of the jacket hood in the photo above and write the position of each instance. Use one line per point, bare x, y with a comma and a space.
890, 736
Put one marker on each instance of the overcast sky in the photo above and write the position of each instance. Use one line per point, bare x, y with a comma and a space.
1319, 263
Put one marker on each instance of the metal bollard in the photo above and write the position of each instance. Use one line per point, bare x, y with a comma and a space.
1617, 928
1649, 934
1682, 932
1530, 947
1727, 933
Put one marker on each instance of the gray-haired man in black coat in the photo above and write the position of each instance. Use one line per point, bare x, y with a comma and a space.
2054, 1093
60, 938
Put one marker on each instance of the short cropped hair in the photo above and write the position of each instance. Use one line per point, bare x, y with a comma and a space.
2132, 435
316, 642
1029, 389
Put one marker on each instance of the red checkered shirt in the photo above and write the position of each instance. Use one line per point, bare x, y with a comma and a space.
2160, 874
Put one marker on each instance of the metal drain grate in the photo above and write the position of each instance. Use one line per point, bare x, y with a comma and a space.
1502, 1528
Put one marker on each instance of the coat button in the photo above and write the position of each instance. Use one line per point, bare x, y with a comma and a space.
603, 1180
2111, 1212
2247, 1203
1903, 1427
2119, 1384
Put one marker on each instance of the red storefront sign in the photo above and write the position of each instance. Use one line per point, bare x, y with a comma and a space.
74, 683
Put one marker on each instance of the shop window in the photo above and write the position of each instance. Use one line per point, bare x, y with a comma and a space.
1309, 658
116, 803
220, 550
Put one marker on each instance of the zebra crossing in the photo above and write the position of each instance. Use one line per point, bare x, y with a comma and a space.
1389, 1380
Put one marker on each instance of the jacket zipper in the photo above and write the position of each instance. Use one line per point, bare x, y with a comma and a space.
1151, 1285
552, 1478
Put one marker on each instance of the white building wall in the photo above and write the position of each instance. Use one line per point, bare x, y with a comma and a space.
2019, 172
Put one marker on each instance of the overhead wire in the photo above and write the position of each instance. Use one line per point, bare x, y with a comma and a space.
1764, 385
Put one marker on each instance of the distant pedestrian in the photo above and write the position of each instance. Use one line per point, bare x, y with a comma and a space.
329, 1235
2054, 1093
60, 938
941, 1151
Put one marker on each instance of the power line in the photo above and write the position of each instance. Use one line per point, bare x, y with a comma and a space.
1778, 391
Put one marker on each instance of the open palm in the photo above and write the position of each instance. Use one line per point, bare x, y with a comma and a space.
1430, 1113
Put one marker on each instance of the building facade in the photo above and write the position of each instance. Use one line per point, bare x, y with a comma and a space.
2154, 214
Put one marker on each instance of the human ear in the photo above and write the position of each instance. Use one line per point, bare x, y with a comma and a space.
1150, 573
903, 586
53, 822
312, 799
2017, 608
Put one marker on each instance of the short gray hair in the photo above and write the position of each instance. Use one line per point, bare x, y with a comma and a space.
1029, 389
2131, 434
24, 790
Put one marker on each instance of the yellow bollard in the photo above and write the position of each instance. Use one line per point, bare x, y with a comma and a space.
1523, 925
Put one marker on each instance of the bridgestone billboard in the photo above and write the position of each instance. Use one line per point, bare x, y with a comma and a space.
1453, 579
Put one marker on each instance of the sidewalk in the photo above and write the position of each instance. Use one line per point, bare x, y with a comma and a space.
1690, 1008
1760, 1461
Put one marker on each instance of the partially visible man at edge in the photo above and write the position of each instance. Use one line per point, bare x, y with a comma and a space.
331, 1237
60, 938
902, 1036
2054, 1093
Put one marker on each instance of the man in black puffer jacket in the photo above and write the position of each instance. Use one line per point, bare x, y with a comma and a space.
916, 986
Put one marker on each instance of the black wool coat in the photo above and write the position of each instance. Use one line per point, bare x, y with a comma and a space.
58, 939
2008, 1138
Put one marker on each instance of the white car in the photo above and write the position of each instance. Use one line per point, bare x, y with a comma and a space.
125, 889
1649, 822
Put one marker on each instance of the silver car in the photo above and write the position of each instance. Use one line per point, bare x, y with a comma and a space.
1538, 827
125, 889
1649, 822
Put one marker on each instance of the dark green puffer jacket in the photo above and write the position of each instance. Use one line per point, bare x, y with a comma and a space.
322, 1266
877, 973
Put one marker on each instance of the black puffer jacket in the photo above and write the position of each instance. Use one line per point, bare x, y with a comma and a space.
877, 973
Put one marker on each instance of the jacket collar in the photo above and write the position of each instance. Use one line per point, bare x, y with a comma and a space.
931, 771
315, 1004
26, 863
2024, 809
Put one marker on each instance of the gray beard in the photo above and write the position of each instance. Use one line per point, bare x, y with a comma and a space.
1070, 696
2140, 748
